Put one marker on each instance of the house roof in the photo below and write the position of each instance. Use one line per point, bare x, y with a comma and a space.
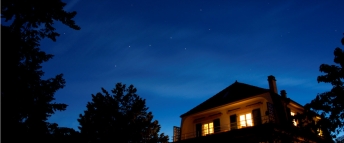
234, 92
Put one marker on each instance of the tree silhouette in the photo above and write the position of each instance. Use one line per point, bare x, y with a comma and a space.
340, 139
26, 97
119, 117
330, 104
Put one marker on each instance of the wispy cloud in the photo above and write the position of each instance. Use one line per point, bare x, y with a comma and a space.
70, 4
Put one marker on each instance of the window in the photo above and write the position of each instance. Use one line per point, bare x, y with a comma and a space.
320, 133
257, 117
233, 121
294, 121
208, 128
217, 127
246, 120
198, 130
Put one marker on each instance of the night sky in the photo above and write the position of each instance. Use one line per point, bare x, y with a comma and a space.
178, 53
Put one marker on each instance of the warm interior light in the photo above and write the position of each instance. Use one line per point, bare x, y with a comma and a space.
205, 129
208, 128
320, 132
246, 120
292, 113
211, 128
294, 122
242, 121
249, 119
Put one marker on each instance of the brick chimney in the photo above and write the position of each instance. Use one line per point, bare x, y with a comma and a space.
283, 93
272, 84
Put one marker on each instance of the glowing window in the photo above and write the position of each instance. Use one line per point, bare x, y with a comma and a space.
208, 128
294, 121
320, 133
292, 113
246, 120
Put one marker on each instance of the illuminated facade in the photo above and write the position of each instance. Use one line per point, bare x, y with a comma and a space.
238, 111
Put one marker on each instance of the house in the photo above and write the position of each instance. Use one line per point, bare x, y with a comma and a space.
242, 113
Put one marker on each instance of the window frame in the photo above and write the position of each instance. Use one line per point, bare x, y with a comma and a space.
292, 114
247, 122
209, 129
233, 121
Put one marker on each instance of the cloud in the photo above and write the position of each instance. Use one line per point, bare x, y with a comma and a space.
70, 4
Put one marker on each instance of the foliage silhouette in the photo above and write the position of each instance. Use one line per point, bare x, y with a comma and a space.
26, 97
340, 139
306, 130
330, 104
119, 116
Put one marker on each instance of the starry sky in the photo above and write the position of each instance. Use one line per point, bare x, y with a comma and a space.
178, 53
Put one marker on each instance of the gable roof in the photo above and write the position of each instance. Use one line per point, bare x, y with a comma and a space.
234, 92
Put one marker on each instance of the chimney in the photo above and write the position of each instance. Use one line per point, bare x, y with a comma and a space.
272, 84
283, 93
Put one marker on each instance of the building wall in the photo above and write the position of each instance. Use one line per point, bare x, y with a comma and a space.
188, 124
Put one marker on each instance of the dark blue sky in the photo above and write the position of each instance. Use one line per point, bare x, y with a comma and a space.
178, 53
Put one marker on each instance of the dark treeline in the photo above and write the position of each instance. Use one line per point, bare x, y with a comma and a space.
26, 97
28, 100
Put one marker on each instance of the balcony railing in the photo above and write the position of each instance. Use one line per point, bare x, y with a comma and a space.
218, 129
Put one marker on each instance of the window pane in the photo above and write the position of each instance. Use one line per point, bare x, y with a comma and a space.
242, 117
249, 119
292, 113
233, 118
248, 116
242, 121
294, 122
205, 129
211, 128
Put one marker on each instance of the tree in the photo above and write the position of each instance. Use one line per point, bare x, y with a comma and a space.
340, 139
120, 116
26, 97
330, 104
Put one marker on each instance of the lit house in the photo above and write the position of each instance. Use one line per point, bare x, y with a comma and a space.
240, 112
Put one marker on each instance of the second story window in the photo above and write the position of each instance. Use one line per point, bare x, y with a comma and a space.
233, 122
246, 120
320, 133
208, 128
294, 121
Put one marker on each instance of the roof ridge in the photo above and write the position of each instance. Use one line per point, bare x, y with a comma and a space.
253, 85
209, 98
234, 87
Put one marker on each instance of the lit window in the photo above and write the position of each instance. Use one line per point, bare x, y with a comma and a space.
208, 128
246, 120
293, 114
320, 133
